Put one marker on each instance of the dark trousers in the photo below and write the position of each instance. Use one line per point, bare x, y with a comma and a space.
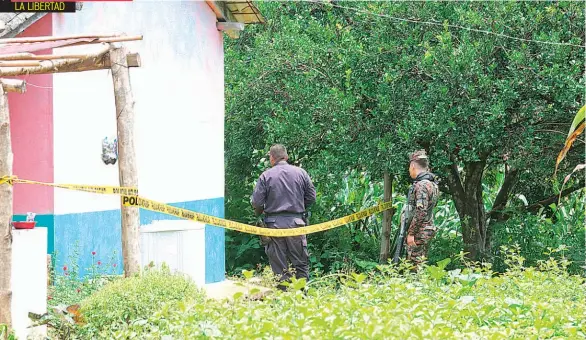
284, 250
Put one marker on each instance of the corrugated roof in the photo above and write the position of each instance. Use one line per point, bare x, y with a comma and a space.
244, 11
15, 23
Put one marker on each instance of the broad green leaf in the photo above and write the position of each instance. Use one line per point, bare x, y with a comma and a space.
579, 118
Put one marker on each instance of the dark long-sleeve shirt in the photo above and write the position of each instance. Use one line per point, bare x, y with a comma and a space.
283, 188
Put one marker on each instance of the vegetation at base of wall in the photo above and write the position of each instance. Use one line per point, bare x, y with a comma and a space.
390, 303
107, 299
113, 302
129, 299
387, 301
68, 289
5, 334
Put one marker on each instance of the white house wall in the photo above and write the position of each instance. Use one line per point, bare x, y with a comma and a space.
179, 110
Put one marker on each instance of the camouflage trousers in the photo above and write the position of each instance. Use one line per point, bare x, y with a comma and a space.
416, 253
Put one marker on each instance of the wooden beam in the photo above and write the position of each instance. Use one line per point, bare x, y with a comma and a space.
13, 85
20, 63
232, 29
127, 168
221, 10
32, 56
54, 38
92, 62
6, 158
119, 39
230, 26
133, 60
45, 45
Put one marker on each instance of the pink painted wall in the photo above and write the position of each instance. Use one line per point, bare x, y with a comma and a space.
31, 117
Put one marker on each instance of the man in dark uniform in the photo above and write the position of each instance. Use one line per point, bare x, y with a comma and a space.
422, 199
283, 193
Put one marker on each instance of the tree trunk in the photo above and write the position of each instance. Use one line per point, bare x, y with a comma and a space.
5, 213
127, 159
467, 197
473, 222
497, 211
385, 242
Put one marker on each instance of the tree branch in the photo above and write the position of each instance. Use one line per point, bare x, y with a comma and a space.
503, 195
453, 178
443, 187
474, 173
533, 208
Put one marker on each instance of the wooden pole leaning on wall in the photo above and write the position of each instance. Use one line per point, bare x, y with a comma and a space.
6, 158
127, 168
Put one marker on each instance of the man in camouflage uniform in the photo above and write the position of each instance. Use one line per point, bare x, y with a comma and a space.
283, 193
423, 196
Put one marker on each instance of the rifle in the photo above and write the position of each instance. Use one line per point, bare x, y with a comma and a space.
305, 216
405, 221
400, 238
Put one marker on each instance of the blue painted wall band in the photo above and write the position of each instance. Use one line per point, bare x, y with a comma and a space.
78, 235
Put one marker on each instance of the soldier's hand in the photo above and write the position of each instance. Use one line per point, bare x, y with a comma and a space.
411, 240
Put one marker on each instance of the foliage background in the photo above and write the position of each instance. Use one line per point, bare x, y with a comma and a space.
351, 94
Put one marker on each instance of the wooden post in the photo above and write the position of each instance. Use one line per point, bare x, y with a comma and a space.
5, 213
126, 156
385, 242
13, 85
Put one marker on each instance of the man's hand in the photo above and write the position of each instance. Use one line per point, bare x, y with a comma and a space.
411, 240
258, 211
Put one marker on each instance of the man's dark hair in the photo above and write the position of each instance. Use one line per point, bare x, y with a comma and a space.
278, 152
420, 158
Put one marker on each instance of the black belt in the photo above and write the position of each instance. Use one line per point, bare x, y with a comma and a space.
288, 214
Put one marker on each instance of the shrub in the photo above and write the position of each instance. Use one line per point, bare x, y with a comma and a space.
129, 299
470, 303
69, 289
5, 334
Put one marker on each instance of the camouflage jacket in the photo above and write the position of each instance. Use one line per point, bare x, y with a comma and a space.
423, 196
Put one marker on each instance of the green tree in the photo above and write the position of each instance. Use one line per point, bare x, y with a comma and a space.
357, 88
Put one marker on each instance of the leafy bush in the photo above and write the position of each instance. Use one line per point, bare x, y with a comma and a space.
355, 247
5, 334
536, 234
522, 303
68, 289
129, 299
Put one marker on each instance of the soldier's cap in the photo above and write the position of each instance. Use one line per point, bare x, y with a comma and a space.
417, 155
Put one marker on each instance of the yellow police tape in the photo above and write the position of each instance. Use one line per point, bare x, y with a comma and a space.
130, 198
97, 189
137, 201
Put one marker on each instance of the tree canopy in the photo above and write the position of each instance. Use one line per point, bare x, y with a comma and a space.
482, 86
